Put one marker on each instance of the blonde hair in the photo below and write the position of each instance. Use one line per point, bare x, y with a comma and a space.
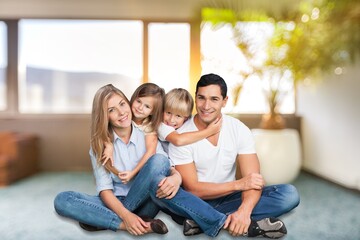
179, 101
151, 90
101, 130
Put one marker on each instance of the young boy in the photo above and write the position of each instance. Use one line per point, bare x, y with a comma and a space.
178, 107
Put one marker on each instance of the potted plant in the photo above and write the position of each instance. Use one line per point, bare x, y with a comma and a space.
314, 38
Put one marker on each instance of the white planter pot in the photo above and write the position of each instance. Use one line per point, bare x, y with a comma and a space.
279, 153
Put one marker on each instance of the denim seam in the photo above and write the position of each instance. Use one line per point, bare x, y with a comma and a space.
95, 206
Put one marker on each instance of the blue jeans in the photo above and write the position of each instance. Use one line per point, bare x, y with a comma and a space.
187, 205
275, 201
91, 210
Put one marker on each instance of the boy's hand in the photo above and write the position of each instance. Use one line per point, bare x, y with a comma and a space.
215, 126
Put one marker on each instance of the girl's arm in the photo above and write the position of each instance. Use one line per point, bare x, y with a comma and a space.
108, 155
151, 141
180, 139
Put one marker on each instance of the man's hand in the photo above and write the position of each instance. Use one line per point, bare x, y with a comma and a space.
168, 187
237, 223
135, 225
251, 181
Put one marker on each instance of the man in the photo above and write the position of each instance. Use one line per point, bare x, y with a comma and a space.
208, 169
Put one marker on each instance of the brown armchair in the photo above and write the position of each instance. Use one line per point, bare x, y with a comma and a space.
19, 156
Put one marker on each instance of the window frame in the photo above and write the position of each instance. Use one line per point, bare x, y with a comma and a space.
11, 78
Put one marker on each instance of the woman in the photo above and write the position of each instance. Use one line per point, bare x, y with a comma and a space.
118, 205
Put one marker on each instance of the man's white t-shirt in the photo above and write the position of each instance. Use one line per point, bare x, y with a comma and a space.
215, 163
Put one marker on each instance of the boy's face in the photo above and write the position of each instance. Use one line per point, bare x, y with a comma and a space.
173, 120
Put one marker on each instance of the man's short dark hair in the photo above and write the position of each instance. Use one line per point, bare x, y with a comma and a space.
212, 79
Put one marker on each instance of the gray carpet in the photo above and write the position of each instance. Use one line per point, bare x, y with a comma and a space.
326, 211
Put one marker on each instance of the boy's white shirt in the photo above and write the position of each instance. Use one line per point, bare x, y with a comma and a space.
164, 130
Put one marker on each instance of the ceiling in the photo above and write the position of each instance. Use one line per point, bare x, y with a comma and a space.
164, 10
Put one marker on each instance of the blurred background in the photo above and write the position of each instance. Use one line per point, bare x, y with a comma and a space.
54, 55
297, 60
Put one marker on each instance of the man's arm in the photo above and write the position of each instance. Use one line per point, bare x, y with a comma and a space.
206, 190
249, 164
239, 221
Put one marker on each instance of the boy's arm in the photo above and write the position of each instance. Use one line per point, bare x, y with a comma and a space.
181, 139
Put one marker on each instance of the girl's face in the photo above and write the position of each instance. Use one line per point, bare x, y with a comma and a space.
142, 107
119, 112
173, 120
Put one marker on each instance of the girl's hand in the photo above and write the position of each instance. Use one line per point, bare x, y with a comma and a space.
215, 126
126, 176
168, 187
135, 225
108, 154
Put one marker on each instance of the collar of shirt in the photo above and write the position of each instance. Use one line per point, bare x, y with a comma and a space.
136, 135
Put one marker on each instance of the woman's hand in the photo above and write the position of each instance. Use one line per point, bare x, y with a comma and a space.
135, 225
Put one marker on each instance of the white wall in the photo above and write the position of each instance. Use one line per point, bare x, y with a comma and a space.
330, 127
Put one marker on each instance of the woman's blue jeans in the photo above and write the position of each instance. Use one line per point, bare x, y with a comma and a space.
91, 210
140, 200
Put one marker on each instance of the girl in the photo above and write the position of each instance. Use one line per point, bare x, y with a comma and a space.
147, 108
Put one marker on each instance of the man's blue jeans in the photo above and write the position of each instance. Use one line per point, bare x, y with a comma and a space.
275, 200
91, 210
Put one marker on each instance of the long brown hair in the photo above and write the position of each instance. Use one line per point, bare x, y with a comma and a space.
151, 90
101, 130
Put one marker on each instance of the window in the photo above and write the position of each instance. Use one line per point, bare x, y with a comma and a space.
221, 55
63, 62
169, 55
3, 65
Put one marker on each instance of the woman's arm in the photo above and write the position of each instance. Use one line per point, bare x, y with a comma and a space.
151, 141
180, 139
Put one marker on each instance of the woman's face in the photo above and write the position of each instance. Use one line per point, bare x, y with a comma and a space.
119, 112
